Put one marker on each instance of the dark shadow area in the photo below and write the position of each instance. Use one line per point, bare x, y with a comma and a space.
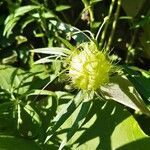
141, 144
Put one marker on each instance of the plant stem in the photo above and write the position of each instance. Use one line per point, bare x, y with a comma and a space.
89, 8
114, 25
107, 23
131, 51
100, 28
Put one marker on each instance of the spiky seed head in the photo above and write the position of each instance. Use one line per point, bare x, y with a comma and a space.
89, 68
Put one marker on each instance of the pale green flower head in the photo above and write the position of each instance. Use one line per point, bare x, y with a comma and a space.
89, 68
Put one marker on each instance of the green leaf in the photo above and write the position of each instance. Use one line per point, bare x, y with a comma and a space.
11, 142
62, 7
9, 26
107, 126
101, 126
13, 78
25, 9
26, 22
141, 144
41, 92
126, 132
65, 113
122, 90
141, 81
47, 60
32, 113
12, 19
70, 31
85, 107
67, 43
95, 1
57, 51
6, 77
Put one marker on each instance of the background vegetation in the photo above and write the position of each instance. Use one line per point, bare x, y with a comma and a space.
39, 108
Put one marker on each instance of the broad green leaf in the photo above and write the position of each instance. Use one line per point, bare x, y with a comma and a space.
15, 143
65, 113
62, 7
126, 132
6, 77
85, 107
141, 144
40, 71
12, 79
70, 31
108, 125
122, 90
19, 81
141, 81
29, 123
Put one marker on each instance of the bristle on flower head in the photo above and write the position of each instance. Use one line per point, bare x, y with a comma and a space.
89, 68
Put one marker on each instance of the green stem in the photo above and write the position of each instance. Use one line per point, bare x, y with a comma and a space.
89, 8
31, 59
114, 25
100, 28
107, 23
130, 51
43, 25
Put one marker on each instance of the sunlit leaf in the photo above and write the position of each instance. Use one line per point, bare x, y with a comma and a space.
9, 26
126, 132
122, 90
65, 113
41, 92
107, 125
78, 122
62, 7
58, 51
24, 9
48, 60
12, 19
